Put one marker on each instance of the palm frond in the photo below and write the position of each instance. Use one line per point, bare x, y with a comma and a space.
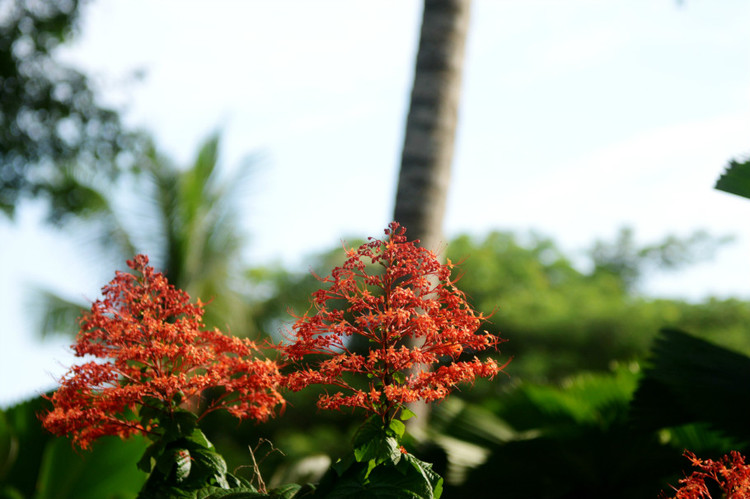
736, 179
691, 380
56, 315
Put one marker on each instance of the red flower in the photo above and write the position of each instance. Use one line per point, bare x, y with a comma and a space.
412, 298
730, 473
152, 353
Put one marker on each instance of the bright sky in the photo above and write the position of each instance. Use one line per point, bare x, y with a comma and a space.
578, 117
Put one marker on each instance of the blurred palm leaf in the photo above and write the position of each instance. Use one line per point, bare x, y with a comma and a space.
736, 179
58, 315
691, 380
198, 229
36, 465
187, 221
465, 432
567, 441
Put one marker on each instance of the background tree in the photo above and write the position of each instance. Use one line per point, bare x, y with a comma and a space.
630, 263
51, 122
424, 175
186, 220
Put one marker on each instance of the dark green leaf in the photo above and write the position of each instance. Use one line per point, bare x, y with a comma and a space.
375, 442
169, 460
411, 479
288, 491
210, 466
152, 452
431, 484
24, 442
177, 425
218, 493
378, 450
736, 179
342, 465
106, 471
199, 438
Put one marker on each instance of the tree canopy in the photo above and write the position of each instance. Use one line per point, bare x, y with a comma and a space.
53, 127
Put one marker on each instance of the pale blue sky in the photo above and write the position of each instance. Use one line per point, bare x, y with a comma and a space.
578, 117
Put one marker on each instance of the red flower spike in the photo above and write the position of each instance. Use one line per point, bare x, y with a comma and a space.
412, 298
153, 353
730, 473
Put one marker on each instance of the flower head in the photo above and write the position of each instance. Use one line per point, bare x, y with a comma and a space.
150, 356
730, 473
398, 297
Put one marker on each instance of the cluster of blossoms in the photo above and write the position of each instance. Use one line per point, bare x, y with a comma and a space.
152, 358
421, 332
730, 473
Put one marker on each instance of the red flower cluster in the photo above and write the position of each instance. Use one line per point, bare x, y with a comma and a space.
153, 354
410, 300
730, 473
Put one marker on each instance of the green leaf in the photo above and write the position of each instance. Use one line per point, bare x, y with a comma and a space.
736, 179
406, 414
397, 427
173, 459
699, 438
378, 450
218, 493
375, 442
291, 491
410, 479
198, 437
210, 466
148, 410
152, 452
180, 424
432, 484
182, 465
387, 481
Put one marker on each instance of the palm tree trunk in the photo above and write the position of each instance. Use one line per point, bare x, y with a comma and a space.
426, 160
431, 124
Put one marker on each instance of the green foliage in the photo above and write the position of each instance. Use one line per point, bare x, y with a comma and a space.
547, 432
181, 461
558, 319
378, 468
53, 130
291, 491
279, 294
